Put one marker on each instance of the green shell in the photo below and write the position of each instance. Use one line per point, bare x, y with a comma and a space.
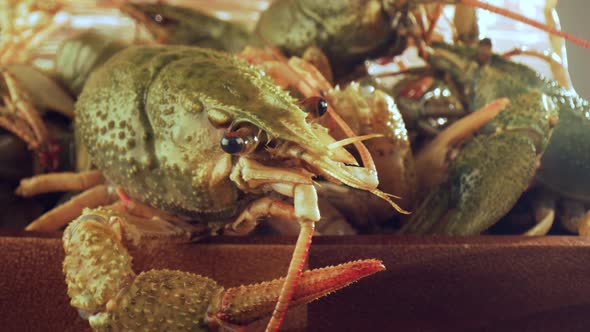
160, 300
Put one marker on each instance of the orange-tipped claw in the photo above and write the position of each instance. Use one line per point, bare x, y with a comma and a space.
244, 305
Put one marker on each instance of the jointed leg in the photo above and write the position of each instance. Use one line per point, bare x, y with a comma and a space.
55, 182
249, 174
21, 118
63, 214
544, 211
19, 128
20, 103
268, 208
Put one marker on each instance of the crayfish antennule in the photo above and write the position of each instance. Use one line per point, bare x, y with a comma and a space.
510, 14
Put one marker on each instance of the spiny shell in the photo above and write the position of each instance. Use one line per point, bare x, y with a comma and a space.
97, 265
161, 300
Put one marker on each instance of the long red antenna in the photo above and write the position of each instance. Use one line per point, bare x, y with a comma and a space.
507, 13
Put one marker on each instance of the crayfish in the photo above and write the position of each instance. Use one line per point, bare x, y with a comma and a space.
194, 135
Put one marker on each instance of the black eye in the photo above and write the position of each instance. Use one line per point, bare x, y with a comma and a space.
322, 107
317, 106
240, 139
232, 143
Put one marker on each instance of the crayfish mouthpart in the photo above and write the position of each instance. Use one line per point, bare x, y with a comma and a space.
353, 176
362, 178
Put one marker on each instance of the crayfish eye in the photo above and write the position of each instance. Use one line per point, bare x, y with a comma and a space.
241, 140
232, 143
317, 106
322, 106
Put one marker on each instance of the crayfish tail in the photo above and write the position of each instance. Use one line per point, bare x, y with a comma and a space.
245, 304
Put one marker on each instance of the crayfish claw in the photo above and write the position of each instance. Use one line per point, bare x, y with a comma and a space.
246, 304
484, 182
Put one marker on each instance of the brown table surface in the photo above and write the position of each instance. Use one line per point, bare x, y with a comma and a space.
431, 283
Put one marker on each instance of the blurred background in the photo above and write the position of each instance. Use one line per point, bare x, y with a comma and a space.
574, 19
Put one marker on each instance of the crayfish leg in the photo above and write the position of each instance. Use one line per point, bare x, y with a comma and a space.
319, 60
573, 216
102, 284
544, 212
377, 113
61, 215
55, 182
465, 23
245, 304
277, 213
296, 183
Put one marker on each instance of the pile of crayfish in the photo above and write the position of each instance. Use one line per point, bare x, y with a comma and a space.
204, 127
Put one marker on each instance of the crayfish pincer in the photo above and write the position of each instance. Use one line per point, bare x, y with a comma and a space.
488, 172
103, 286
194, 138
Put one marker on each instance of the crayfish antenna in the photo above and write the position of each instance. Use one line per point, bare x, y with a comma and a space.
510, 14
245, 304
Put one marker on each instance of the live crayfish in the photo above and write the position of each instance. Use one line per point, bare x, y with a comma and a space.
564, 150
353, 30
164, 149
177, 25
